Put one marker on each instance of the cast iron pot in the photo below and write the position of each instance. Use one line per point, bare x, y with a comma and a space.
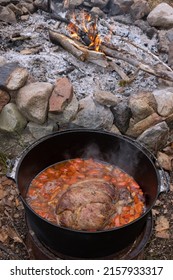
85, 143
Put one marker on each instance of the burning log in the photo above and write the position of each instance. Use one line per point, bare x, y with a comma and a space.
78, 50
106, 57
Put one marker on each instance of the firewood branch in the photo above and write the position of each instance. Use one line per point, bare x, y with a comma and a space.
107, 56
166, 75
78, 50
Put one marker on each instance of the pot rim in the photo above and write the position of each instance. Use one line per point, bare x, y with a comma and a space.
131, 141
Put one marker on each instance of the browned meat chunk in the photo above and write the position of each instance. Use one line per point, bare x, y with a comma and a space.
87, 205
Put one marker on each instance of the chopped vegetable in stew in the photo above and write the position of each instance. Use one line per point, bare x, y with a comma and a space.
85, 194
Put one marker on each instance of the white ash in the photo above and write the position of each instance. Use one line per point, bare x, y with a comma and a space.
86, 77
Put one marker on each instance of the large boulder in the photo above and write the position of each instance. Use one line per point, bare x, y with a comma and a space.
164, 100
161, 16
11, 120
122, 114
93, 115
32, 100
67, 115
7, 15
142, 104
12, 76
118, 7
155, 137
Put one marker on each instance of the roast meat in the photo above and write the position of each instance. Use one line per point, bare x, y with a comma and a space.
87, 205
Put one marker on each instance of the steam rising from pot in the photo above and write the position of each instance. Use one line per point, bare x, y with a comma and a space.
118, 155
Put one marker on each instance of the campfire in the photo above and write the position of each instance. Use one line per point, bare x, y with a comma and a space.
84, 41
87, 33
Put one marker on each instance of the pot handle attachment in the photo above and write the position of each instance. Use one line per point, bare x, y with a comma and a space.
11, 167
163, 175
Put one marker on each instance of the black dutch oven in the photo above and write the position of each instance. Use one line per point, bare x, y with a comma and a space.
84, 143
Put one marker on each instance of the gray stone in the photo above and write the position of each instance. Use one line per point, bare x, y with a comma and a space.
6, 2
96, 11
7, 15
169, 35
115, 130
17, 78
142, 104
105, 98
29, 5
139, 9
12, 76
119, 7
32, 100
92, 115
146, 28
39, 131
163, 41
165, 161
170, 55
122, 115
18, 12
164, 99
67, 115
41, 4
97, 3
169, 121
11, 120
155, 137
161, 16
75, 3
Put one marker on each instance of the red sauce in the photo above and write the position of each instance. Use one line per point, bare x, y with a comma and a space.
48, 186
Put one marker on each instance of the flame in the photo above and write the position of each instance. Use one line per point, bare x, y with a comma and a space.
85, 30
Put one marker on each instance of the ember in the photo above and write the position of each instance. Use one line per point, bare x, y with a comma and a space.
84, 28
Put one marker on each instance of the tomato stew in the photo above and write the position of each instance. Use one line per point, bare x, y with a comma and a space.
47, 188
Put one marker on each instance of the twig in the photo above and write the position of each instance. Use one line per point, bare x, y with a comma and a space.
118, 69
166, 75
66, 71
74, 64
137, 46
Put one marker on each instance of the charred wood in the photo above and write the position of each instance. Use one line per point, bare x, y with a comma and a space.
78, 50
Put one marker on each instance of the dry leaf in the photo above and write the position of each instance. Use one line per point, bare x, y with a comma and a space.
165, 161
155, 212
13, 235
163, 234
3, 235
162, 226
